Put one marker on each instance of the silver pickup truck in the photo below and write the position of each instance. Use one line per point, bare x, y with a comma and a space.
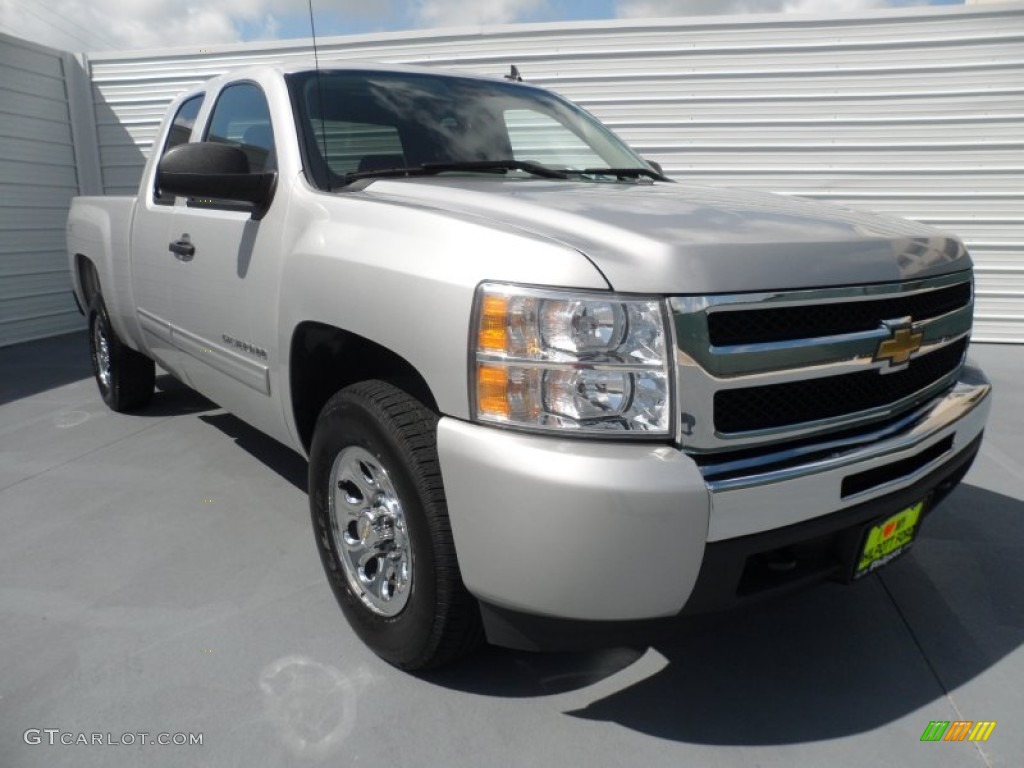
548, 396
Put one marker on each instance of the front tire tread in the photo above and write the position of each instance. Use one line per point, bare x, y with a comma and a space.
411, 428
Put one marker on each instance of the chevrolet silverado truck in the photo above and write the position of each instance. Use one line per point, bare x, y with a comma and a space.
548, 396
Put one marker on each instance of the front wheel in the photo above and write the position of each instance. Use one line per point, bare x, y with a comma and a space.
125, 377
381, 524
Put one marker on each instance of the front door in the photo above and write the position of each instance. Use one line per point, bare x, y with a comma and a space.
223, 298
152, 263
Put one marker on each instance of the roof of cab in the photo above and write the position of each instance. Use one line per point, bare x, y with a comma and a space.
308, 65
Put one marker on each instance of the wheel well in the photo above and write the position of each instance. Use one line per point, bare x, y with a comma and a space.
88, 279
324, 359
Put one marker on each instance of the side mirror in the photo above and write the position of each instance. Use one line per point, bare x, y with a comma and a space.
655, 165
213, 171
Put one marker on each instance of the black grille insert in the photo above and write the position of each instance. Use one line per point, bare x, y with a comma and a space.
781, 405
759, 326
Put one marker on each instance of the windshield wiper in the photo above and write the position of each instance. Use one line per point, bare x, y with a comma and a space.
498, 165
429, 169
622, 173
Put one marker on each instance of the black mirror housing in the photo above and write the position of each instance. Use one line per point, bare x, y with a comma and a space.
214, 171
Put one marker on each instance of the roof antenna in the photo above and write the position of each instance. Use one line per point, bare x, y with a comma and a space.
319, 96
513, 74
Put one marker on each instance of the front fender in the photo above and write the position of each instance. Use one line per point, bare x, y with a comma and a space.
404, 277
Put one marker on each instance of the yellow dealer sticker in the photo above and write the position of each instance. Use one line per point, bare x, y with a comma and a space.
889, 539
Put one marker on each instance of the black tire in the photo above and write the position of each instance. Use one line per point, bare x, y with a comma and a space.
126, 379
439, 620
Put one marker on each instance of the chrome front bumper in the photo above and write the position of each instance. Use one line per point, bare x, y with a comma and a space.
601, 531
745, 504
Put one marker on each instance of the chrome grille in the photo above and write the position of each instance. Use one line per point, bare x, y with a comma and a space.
818, 364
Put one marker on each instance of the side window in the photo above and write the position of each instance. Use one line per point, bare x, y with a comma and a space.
540, 138
181, 130
241, 117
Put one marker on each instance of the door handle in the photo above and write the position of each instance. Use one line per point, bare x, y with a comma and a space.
183, 248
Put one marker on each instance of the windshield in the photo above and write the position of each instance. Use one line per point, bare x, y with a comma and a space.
361, 122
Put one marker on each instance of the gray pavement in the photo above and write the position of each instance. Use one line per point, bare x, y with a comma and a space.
157, 575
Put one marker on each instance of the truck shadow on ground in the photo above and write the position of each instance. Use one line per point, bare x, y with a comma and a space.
38, 366
172, 398
823, 664
276, 456
35, 367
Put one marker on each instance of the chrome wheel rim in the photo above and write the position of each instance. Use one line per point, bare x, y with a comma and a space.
369, 529
101, 353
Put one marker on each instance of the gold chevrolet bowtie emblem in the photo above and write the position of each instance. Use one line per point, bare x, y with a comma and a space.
898, 348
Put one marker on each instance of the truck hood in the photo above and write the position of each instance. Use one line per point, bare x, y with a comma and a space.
682, 239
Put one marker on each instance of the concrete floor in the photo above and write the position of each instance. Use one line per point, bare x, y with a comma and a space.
158, 575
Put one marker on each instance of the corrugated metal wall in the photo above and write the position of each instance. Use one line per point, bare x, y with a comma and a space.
919, 113
38, 177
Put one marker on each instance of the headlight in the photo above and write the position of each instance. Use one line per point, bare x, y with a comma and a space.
587, 362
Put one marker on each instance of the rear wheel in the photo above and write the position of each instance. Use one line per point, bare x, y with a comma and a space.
125, 377
382, 529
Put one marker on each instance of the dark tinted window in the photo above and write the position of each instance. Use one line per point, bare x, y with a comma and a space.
181, 126
241, 117
367, 120
181, 131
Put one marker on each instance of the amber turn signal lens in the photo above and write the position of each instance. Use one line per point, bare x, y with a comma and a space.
493, 333
492, 391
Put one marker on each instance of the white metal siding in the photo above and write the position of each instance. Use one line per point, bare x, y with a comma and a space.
918, 113
38, 177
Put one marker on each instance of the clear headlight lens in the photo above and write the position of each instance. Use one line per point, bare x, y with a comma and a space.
582, 327
575, 361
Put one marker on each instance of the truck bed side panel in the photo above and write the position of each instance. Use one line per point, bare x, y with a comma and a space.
99, 228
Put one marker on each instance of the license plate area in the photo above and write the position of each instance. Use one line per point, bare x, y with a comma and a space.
887, 538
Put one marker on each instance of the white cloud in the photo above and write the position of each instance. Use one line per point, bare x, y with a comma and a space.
92, 25
88, 25
271, 27
457, 13
662, 8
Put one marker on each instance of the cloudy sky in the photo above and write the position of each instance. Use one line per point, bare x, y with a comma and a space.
92, 25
